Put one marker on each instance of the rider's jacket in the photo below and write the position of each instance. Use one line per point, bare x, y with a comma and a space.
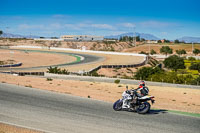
143, 91
139, 92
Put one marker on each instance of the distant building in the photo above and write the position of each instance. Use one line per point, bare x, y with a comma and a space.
47, 39
82, 38
162, 41
151, 41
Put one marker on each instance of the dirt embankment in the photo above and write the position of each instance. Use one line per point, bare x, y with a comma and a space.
100, 46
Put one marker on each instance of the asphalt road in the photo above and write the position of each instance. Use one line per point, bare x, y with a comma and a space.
87, 59
54, 112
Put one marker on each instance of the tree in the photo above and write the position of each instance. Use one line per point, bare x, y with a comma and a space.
142, 39
159, 41
176, 41
1, 32
191, 59
180, 52
166, 41
174, 62
137, 38
196, 51
152, 52
166, 50
145, 72
195, 66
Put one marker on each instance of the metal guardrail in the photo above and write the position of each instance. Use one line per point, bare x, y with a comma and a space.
12, 65
26, 73
119, 66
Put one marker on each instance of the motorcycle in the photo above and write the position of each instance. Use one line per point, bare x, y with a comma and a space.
139, 105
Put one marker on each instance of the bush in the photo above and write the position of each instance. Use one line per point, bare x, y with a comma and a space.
152, 52
172, 77
142, 52
196, 51
57, 70
180, 52
117, 81
191, 58
195, 66
166, 50
174, 62
196, 81
145, 72
49, 79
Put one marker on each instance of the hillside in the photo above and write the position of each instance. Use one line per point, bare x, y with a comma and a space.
98, 46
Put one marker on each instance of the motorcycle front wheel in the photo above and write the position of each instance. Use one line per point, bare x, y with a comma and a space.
117, 106
143, 108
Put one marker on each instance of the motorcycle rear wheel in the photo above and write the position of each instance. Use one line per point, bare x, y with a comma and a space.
143, 108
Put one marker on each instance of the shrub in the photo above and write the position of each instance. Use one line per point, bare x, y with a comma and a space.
152, 52
117, 81
195, 66
196, 81
49, 79
174, 62
180, 52
57, 70
191, 58
142, 52
145, 72
30, 86
166, 50
196, 51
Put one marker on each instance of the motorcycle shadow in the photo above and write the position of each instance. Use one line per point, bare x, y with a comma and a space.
157, 111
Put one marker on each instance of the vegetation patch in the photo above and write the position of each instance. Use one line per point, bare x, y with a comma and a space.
49, 79
57, 70
117, 81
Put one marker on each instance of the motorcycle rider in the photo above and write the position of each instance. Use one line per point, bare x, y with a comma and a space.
133, 94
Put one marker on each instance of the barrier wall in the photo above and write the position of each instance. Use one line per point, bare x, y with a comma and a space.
11, 65
26, 73
119, 66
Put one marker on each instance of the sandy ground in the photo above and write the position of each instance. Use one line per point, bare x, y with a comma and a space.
4, 128
41, 59
182, 99
156, 47
33, 59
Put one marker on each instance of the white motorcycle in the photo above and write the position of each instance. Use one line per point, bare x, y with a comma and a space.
139, 105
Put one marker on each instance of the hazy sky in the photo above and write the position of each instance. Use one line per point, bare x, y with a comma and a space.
168, 19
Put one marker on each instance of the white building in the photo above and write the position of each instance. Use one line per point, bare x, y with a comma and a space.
82, 38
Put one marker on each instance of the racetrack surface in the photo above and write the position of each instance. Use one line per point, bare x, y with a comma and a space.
54, 112
87, 59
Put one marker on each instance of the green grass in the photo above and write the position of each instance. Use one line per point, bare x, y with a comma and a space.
184, 113
180, 112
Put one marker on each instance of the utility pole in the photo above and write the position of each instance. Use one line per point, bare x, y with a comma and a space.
134, 37
192, 48
149, 48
